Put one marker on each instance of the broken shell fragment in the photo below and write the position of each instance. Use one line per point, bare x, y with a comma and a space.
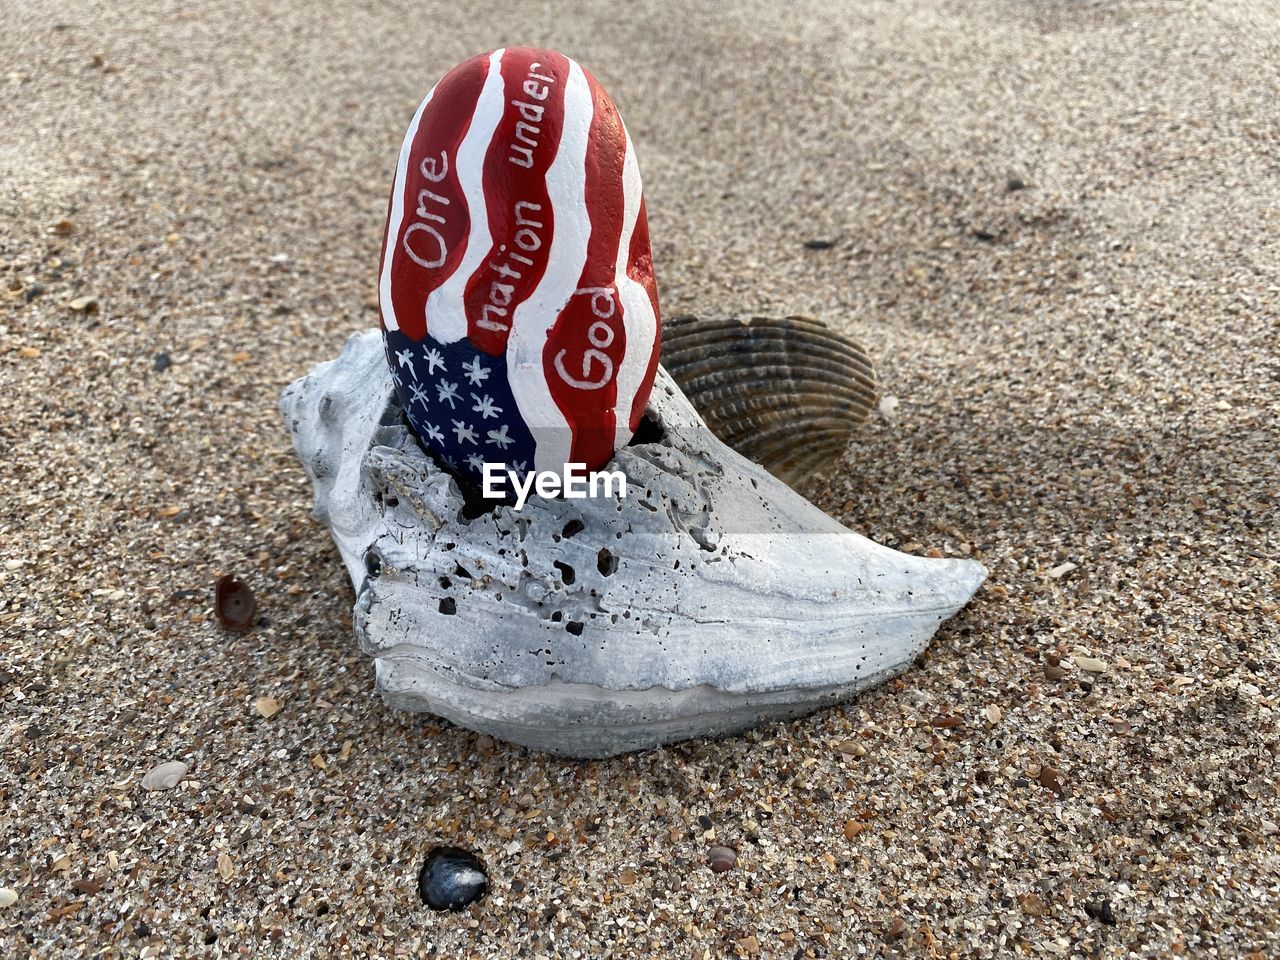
164, 776
785, 393
709, 598
721, 859
233, 603
452, 879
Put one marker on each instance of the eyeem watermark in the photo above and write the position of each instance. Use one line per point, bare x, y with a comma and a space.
574, 483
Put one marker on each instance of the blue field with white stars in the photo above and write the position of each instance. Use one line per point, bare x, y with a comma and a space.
459, 404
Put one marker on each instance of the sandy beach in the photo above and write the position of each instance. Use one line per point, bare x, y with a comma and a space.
1054, 225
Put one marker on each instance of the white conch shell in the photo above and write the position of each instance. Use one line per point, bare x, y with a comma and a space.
710, 598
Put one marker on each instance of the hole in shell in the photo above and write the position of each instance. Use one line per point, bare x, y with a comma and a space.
649, 431
606, 562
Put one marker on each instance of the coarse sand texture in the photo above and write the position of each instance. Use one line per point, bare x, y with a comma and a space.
1054, 226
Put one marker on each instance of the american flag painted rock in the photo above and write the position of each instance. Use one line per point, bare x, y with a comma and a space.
519, 308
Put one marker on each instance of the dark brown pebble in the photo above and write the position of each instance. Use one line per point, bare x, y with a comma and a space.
233, 603
721, 859
1051, 778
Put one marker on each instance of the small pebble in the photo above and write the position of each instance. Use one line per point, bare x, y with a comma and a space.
267, 707
1051, 778
1062, 569
1091, 664
888, 407
720, 859
84, 304
452, 879
1032, 905
1101, 911
233, 603
819, 244
162, 361
8, 897
164, 776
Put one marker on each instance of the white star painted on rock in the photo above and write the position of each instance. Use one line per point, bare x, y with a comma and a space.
447, 392
476, 373
519, 466
499, 438
433, 433
463, 432
485, 407
434, 359
475, 462
417, 395
405, 359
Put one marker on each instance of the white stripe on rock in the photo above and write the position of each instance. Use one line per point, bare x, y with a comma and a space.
534, 318
639, 322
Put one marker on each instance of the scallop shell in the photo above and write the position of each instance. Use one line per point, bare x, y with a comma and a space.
785, 393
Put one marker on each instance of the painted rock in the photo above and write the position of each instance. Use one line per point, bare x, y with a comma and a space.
519, 309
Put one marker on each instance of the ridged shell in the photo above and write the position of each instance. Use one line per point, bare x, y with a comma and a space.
785, 393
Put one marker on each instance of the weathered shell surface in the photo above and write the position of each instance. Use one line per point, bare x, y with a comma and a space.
785, 393
709, 598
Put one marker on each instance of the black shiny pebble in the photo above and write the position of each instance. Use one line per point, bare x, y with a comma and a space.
1101, 911
452, 879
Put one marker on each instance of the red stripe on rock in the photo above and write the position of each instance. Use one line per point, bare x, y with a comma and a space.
640, 269
521, 220
433, 231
